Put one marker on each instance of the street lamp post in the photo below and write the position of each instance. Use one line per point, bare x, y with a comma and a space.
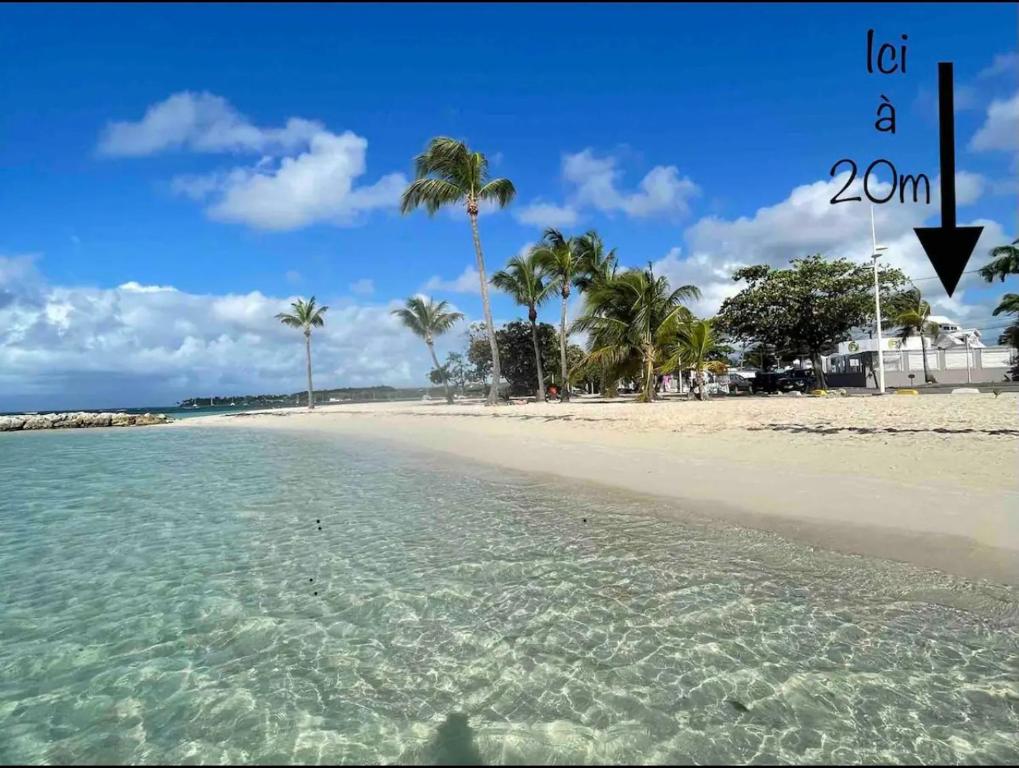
877, 305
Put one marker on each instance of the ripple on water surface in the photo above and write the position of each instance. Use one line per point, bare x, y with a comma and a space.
158, 598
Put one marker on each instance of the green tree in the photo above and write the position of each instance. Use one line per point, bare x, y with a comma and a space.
596, 264
697, 348
808, 307
305, 315
912, 315
631, 319
479, 352
516, 350
522, 279
449, 173
428, 319
559, 258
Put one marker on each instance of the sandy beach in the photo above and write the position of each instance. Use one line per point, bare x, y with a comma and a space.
930, 480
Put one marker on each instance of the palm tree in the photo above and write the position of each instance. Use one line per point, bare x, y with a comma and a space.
427, 319
523, 280
697, 348
559, 258
912, 314
597, 266
1006, 262
631, 318
305, 316
447, 173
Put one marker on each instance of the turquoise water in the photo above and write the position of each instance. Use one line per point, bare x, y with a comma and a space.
158, 604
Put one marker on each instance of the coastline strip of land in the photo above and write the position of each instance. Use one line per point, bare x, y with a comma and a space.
929, 480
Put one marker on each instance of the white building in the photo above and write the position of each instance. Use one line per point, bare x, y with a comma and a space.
956, 356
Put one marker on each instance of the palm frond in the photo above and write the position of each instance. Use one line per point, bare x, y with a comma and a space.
433, 194
1009, 304
501, 191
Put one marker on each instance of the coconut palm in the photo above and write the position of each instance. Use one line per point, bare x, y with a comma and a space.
448, 173
429, 319
523, 280
1006, 262
305, 316
696, 347
559, 258
912, 314
631, 319
596, 264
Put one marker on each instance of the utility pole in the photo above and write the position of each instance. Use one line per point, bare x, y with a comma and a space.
877, 305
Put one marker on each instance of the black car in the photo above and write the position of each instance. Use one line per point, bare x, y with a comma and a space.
784, 381
739, 383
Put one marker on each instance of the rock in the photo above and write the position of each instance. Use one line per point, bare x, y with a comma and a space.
79, 420
147, 419
11, 423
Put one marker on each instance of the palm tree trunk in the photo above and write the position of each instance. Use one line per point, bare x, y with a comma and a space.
445, 383
307, 349
647, 387
819, 379
493, 393
540, 392
923, 348
562, 350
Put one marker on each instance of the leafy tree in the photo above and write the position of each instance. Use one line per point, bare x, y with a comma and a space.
305, 315
559, 258
428, 319
697, 348
631, 319
479, 352
523, 280
808, 307
516, 349
452, 370
449, 173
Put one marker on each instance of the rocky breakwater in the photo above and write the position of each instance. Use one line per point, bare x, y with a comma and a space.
79, 420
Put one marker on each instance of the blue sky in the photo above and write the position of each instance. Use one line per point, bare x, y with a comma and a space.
241, 155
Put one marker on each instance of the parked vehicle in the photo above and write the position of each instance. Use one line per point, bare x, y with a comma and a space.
739, 383
796, 380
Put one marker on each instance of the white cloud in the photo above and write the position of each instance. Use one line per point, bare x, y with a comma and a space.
134, 287
469, 281
547, 215
79, 346
200, 122
305, 174
315, 186
1000, 130
594, 183
363, 287
1004, 63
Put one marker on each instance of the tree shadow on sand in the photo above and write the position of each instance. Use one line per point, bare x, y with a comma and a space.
818, 430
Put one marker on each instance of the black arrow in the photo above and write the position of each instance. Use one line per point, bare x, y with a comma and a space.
948, 246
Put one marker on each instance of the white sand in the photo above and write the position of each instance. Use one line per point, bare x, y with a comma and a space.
824, 471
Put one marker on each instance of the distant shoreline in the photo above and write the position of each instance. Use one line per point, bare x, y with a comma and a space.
929, 481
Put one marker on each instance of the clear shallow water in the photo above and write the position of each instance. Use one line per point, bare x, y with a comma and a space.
157, 604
